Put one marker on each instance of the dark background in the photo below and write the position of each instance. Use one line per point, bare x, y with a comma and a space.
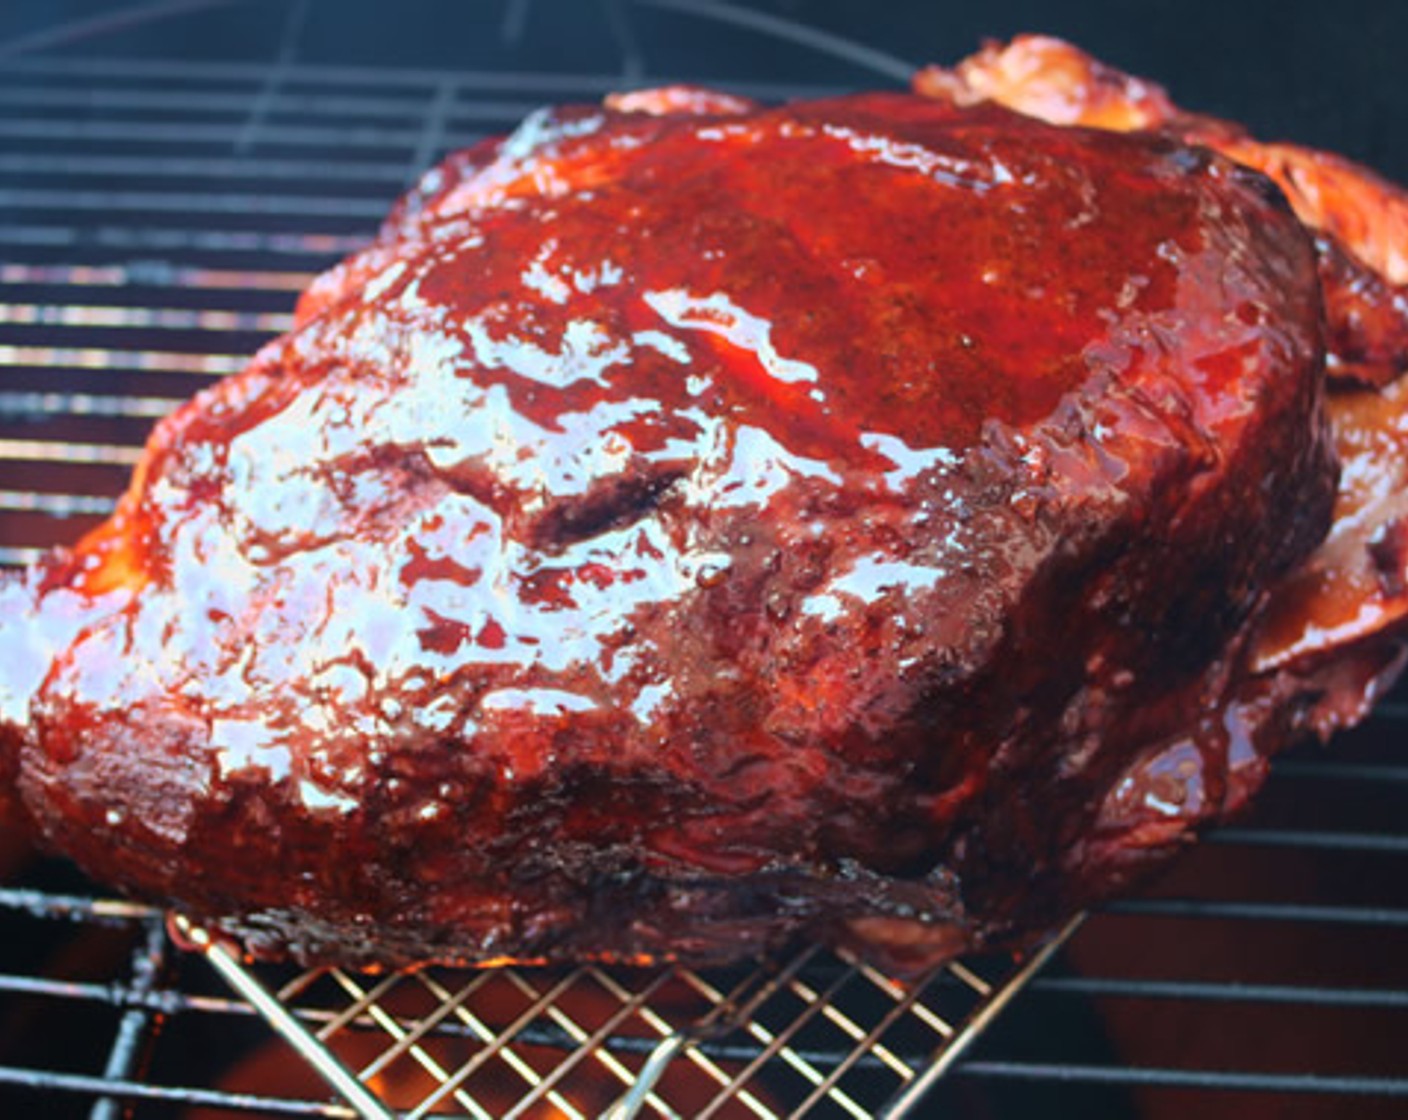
1327, 73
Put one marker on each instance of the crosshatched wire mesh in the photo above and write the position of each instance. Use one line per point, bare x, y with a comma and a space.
810, 1033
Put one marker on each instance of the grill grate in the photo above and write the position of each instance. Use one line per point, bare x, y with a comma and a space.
813, 1032
157, 218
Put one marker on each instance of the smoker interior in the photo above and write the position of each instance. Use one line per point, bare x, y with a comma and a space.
167, 185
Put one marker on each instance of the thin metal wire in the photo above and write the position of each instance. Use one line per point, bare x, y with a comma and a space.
261, 105
127, 361
367, 1002
432, 135
357, 1095
1308, 838
195, 202
120, 19
115, 96
143, 318
127, 1089
136, 1023
734, 1009
106, 167
812, 38
592, 1045
321, 247
1244, 1080
1303, 995
497, 1043
66, 451
1260, 911
955, 1048
552, 84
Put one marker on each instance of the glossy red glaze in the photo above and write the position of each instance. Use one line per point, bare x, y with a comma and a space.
658, 541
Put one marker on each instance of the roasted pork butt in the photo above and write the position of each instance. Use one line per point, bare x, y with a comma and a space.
689, 524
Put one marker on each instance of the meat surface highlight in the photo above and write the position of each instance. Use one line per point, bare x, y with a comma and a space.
902, 519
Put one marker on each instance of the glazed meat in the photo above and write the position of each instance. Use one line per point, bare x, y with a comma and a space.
897, 518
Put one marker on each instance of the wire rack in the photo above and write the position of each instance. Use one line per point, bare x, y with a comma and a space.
157, 218
810, 1033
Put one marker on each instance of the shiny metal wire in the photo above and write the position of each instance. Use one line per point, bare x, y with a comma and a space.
811, 1033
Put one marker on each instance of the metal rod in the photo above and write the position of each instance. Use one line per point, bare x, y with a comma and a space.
364, 77
87, 316
1188, 1078
1259, 911
321, 246
813, 38
195, 167
134, 1028
211, 132
110, 97
1341, 771
55, 505
109, 358
1310, 839
119, 19
203, 202
66, 451
40, 904
48, 1081
182, 281
953, 1049
337, 1075
728, 1011
1297, 994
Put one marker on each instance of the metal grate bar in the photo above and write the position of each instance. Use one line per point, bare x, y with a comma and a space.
278, 1016
552, 84
1309, 838
945, 1058
1189, 1078
83, 404
432, 137
153, 274
18, 557
133, 1029
196, 167
116, 97
1230, 992
676, 1042
50, 1081
146, 317
1318, 770
1260, 911
193, 202
323, 246
866, 58
55, 505
406, 1039
41, 904
208, 132
130, 361
65, 451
